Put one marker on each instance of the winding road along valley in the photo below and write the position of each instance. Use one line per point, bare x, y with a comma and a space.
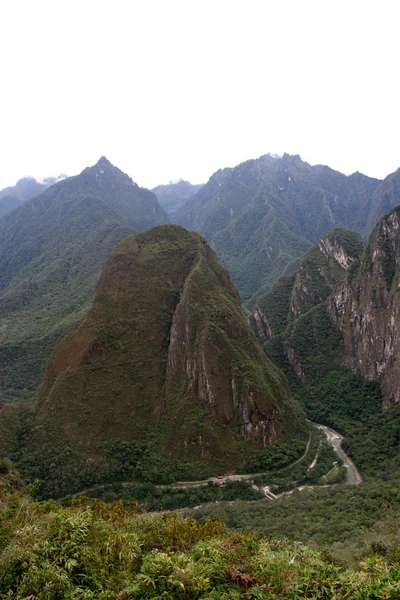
335, 440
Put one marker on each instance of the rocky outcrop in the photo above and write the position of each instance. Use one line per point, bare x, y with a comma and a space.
323, 267
367, 309
344, 306
262, 324
165, 354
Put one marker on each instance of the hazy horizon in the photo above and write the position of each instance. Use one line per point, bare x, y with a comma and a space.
181, 89
171, 181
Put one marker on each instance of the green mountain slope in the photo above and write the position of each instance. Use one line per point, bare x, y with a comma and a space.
321, 269
26, 188
52, 249
366, 309
164, 368
385, 197
356, 325
173, 195
98, 551
344, 310
264, 214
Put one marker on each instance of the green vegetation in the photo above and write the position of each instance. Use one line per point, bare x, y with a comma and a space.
163, 381
52, 249
275, 304
97, 551
26, 188
315, 342
321, 459
341, 518
319, 272
353, 406
262, 215
275, 457
155, 497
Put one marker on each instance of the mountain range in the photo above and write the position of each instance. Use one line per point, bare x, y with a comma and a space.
153, 381
174, 195
24, 189
261, 216
164, 342
52, 249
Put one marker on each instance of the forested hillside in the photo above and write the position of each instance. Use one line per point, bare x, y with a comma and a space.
52, 249
262, 215
164, 378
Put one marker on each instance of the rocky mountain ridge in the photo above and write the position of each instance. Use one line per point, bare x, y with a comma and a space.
366, 309
262, 215
322, 267
352, 318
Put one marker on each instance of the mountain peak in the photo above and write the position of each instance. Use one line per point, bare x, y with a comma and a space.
103, 161
104, 173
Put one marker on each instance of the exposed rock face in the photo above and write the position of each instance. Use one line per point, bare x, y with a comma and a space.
263, 326
165, 351
323, 267
367, 309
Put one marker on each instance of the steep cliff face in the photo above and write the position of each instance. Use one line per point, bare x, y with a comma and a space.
367, 309
164, 356
323, 267
271, 312
320, 270
342, 309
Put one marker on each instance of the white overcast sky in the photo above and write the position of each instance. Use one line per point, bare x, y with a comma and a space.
180, 88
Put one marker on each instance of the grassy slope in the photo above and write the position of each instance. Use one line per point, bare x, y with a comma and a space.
95, 551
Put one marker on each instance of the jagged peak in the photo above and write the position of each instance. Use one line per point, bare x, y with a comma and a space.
104, 170
103, 161
291, 157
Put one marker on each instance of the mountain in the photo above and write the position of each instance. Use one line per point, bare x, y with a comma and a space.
262, 215
52, 249
366, 309
173, 195
341, 307
322, 267
385, 197
163, 376
24, 189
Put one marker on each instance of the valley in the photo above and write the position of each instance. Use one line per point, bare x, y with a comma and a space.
133, 385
